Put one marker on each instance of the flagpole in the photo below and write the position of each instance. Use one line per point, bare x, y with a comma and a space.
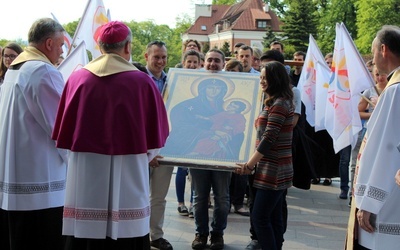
367, 100
78, 27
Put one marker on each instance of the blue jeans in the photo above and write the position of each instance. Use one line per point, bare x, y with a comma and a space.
344, 162
180, 185
267, 218
202, 182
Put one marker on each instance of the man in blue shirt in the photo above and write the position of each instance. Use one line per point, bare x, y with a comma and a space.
160, 176
156, 60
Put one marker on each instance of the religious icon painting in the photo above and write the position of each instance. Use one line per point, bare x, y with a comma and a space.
211, 118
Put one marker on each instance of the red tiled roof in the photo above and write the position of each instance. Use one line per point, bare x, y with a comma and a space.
259, 14
241, 16
217, 12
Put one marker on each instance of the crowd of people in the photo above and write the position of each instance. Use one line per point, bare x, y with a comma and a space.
80, 157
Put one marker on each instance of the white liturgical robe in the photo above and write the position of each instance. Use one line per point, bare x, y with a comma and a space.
32, 169
376, 190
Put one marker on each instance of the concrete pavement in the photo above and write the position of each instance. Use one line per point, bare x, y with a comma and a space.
317, 220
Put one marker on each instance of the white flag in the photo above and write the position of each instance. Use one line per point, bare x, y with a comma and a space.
349, 78
323, 74
94, 16
307, 82
76, 60
67, 40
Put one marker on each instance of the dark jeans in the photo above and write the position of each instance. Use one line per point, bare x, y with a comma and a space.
252, 193
267, 218
237, 190
344, 162
203, 181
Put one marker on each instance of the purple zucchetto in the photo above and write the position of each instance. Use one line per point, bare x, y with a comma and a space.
113, 32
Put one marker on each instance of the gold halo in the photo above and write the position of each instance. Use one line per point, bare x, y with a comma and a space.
230, 86
248, 105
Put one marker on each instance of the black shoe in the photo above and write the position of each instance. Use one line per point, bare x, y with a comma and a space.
343, 195
350, 201
161, 244
315, 181
200, 241
182, 210
217, 241
327, 182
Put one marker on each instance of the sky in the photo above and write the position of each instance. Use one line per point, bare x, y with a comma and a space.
15, 22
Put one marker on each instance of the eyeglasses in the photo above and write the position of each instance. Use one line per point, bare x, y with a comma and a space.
12, 57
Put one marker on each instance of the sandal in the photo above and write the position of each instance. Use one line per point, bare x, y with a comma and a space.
327, 182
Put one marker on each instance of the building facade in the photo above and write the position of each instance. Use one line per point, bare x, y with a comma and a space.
246, 22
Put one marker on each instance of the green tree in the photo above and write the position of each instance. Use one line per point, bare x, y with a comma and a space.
70, 28
299, 21
183, 23
226, 49
279, 6
336, 11
269, 37
372, 15
206, 48
147, 31
20, 42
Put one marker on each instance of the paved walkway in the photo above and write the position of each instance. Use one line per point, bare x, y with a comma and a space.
317, 220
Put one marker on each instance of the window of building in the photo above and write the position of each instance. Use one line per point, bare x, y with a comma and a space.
203, 27
262, 24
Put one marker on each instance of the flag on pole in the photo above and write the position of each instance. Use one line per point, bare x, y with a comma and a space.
94, 16
76, 60
349, 78
323, 74
67, 40
308, 79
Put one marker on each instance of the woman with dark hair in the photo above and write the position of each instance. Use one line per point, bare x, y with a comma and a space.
8, 54
272, 160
